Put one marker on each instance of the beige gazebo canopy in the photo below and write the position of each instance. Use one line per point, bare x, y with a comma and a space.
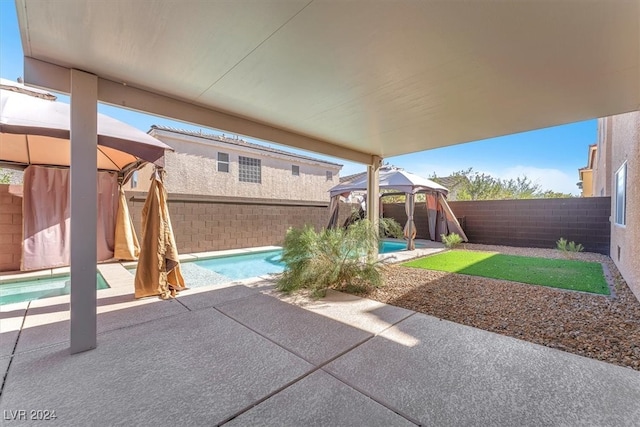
35, 130
440, 217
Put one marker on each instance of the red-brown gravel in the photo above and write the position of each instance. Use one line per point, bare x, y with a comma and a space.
601, 327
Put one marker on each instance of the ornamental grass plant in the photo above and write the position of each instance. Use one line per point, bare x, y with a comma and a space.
330, 259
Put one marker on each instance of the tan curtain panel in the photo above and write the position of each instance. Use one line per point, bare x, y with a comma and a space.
410, 226
107, 211
452, 222
46, 217
126, 241
158, 270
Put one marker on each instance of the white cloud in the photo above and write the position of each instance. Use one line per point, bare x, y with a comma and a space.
427, 170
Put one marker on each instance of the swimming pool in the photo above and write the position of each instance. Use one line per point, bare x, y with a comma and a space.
244, 266
33, 289
225, 269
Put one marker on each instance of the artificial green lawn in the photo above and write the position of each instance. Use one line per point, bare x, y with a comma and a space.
557, 273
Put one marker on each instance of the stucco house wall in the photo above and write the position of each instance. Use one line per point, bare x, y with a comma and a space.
193, 169
141, 180
620, 137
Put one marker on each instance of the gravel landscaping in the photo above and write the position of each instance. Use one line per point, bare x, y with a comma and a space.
601, 327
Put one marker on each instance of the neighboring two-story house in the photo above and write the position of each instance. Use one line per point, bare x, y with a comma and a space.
215, 165
586, 174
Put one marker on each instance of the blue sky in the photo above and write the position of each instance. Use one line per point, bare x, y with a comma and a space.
551, 157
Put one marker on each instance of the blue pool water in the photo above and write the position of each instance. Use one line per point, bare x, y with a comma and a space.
388, 246
32, 289
237, 267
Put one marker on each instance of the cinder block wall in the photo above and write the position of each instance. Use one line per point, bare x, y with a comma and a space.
526, 223
203, 223
10, 227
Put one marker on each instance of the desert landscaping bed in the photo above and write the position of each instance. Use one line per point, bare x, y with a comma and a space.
601, 327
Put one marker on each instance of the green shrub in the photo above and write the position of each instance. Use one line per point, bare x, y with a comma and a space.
331, 258
355, 216
568, 248
389, 227
452, 240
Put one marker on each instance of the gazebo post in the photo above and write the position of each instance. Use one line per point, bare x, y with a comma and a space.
84, 140
373, 196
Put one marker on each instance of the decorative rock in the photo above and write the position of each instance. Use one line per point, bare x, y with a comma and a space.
601, 327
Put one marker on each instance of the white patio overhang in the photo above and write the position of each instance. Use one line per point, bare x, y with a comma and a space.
361, 80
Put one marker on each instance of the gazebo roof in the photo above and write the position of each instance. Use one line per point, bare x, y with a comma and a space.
35, 129
391, 178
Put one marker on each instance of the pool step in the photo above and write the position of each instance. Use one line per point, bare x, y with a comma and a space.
116, 275
196, 276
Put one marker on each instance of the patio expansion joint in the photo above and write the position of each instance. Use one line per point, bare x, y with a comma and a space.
209, 307
378, 401
316, 368
364, 393
13, 352
182, 304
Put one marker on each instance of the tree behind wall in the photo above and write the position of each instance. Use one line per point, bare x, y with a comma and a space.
472, 185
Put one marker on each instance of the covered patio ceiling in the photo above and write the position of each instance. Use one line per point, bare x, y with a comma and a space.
350, 79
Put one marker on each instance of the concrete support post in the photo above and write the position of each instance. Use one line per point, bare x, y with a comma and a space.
373, 195
84, 140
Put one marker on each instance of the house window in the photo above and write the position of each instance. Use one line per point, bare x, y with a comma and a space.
621, 195
223, 162
295, 170
249, 170
329, 176
134, 179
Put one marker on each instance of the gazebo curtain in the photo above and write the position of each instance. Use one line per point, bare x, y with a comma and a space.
334, 210
453, 225
441, 218
431, 204
47, 212
126, 245
410, 226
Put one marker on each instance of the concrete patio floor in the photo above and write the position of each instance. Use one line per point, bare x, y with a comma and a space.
241, 354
